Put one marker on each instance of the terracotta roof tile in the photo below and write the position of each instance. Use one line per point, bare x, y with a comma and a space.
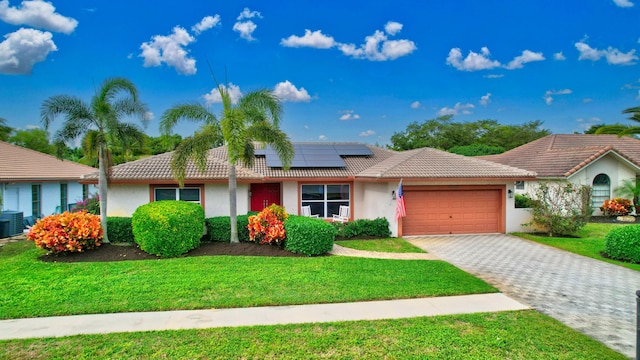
21, 164
561, 155
430, 163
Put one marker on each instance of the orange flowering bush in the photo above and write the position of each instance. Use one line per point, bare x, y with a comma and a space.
67, 232
268, 226
616, 207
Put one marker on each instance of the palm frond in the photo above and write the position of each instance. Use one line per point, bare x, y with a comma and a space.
74, 109
110, 88
189, 111
611, 129
262, 103
194, 148
128, 106
267, 133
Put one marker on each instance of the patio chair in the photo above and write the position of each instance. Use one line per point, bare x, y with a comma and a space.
306, 211
342, 216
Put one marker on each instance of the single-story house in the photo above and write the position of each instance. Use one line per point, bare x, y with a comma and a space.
599, 161
444, 193
39, 184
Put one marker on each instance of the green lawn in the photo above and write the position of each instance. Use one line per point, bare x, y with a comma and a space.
507, 335
394, 245
590, 242
31, 288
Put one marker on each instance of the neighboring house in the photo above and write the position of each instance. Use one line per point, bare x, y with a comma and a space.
444, 193
599, 161
39, 184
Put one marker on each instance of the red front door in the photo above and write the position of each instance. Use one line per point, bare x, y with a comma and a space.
263, 195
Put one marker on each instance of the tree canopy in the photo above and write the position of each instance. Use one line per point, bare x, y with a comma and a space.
485, 135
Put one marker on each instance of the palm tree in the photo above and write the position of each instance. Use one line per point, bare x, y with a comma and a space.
5, 130
256, 117
630, 188
623, 130
116, 97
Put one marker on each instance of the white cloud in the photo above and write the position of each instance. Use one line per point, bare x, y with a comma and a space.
248, 14
246, 27
149, 116
549, 99
526, 57
623, 3
314, 39
348, 115
612, 55
559, 56
170, 50
494, 76
39, 14
322, 138
378, 47
22, 49
459, 108
473, 61
367, 133
415, 105
214, 97
206, 23
485, 100
286, 91
585, 124
392, 27
587, 100
638, 97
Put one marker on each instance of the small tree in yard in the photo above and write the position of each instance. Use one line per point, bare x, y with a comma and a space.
560, 208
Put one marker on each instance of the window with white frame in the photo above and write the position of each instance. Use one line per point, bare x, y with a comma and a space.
519, 185
325, 199
600, 190
191, 194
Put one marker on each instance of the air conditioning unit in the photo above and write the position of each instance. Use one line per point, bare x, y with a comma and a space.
15, 218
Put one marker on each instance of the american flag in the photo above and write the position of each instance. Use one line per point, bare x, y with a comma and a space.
401, 210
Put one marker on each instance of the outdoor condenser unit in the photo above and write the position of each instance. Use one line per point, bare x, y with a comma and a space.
15, 221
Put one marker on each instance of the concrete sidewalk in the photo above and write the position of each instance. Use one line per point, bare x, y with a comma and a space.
270, 315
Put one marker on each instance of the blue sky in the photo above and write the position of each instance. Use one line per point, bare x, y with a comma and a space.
345, 71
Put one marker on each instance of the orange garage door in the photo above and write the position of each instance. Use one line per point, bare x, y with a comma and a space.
432, 212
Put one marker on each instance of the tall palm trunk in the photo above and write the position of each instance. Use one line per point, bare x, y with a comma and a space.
233, 204
102, 191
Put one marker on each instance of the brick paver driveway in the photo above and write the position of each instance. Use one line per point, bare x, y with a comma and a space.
591, 296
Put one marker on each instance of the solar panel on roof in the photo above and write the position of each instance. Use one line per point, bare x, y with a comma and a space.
317, 155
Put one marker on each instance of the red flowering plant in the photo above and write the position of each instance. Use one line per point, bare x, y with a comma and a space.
616, 207
268, 226
67, 232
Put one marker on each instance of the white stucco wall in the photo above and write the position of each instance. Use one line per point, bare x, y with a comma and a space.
290, 197
17, 196
217, 199
123, 200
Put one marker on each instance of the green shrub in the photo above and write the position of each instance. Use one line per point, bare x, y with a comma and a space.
623, 243
523, 202
120, 230
308, 236
169, 227
560, 208
219, 228
363, 227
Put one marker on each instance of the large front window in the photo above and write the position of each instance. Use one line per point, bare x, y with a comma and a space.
64, 196
600, 190
191, 194
325, 200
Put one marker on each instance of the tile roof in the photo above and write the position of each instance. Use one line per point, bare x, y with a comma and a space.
561, 155
428, 163
22, 164
419, 164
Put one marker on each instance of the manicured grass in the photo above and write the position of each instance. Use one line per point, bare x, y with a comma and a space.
507, 335
394, 245
590, 242
31, 288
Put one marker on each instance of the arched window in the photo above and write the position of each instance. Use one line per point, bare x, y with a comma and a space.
600, 190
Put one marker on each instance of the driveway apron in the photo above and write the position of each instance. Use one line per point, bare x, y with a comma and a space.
591, 296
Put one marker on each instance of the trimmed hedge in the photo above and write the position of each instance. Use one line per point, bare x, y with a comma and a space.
623, 243
168, 228
308, 236
219, 228
363, 227
120, 229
